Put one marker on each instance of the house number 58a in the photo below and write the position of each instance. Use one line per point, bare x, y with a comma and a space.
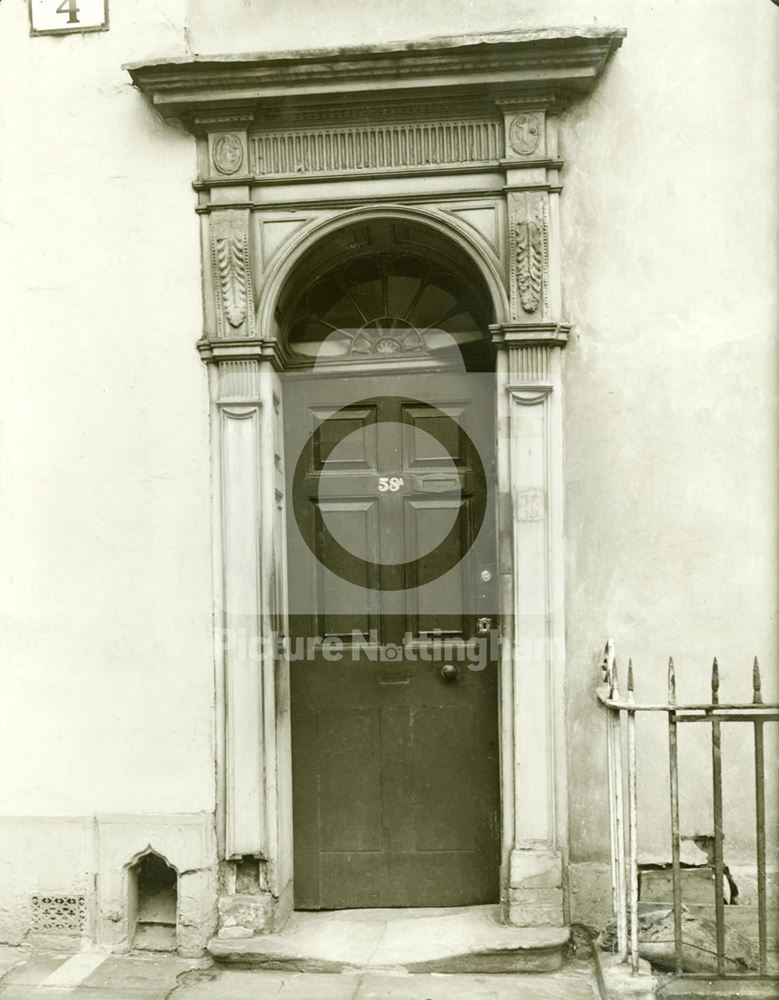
390, 484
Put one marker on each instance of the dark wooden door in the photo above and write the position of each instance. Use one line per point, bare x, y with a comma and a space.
391, 557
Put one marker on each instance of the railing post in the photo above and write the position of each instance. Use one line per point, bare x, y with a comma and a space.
616, 804
716, 772
673, 768
608, 670
762, 930
633, 821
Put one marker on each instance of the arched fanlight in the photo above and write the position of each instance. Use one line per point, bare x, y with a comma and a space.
383, 303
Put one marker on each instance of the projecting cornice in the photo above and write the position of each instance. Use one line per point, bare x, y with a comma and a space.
558, 62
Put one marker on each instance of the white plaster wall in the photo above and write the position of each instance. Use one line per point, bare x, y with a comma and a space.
104, 507
669, 212
670, 215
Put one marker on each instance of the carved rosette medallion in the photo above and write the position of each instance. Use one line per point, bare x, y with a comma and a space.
232, 274
525, 133
227, 153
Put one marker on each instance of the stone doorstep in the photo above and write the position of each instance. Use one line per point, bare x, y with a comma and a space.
462, 940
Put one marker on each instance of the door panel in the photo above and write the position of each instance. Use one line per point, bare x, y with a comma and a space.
356, 520
343, 439
352, 820
395, 772
429, 608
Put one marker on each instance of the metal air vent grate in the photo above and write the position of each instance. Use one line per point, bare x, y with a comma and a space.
59, 914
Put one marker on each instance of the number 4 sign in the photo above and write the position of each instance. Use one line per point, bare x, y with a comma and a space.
58, 17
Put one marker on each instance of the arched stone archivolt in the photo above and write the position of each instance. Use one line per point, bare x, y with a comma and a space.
442, 225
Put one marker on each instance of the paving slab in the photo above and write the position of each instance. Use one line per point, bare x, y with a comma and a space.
37, 967
81, 993
10, 957
711, 989
142, 977
138, 972
437, 986
94, 975
249, 984
231, 984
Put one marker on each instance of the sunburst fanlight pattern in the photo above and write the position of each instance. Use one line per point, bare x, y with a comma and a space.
383, 304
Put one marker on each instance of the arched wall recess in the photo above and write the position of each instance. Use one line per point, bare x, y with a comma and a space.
152, 901
456, 138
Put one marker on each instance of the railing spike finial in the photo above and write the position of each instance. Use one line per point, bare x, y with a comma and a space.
715, 682
757, 697
631, 686
671, 681
605, 663
614, 683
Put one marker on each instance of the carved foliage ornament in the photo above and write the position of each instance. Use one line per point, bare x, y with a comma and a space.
232, 277
227, 153
230, 253
530, 264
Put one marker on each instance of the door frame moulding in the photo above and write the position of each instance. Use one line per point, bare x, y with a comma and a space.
412, 127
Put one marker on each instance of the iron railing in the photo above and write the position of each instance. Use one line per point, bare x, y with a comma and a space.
621, 762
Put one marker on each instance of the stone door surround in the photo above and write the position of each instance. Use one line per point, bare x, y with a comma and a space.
460, 136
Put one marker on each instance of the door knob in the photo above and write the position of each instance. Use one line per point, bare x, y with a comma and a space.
449, 672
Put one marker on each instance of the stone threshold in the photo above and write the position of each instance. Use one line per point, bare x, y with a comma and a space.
454, 940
